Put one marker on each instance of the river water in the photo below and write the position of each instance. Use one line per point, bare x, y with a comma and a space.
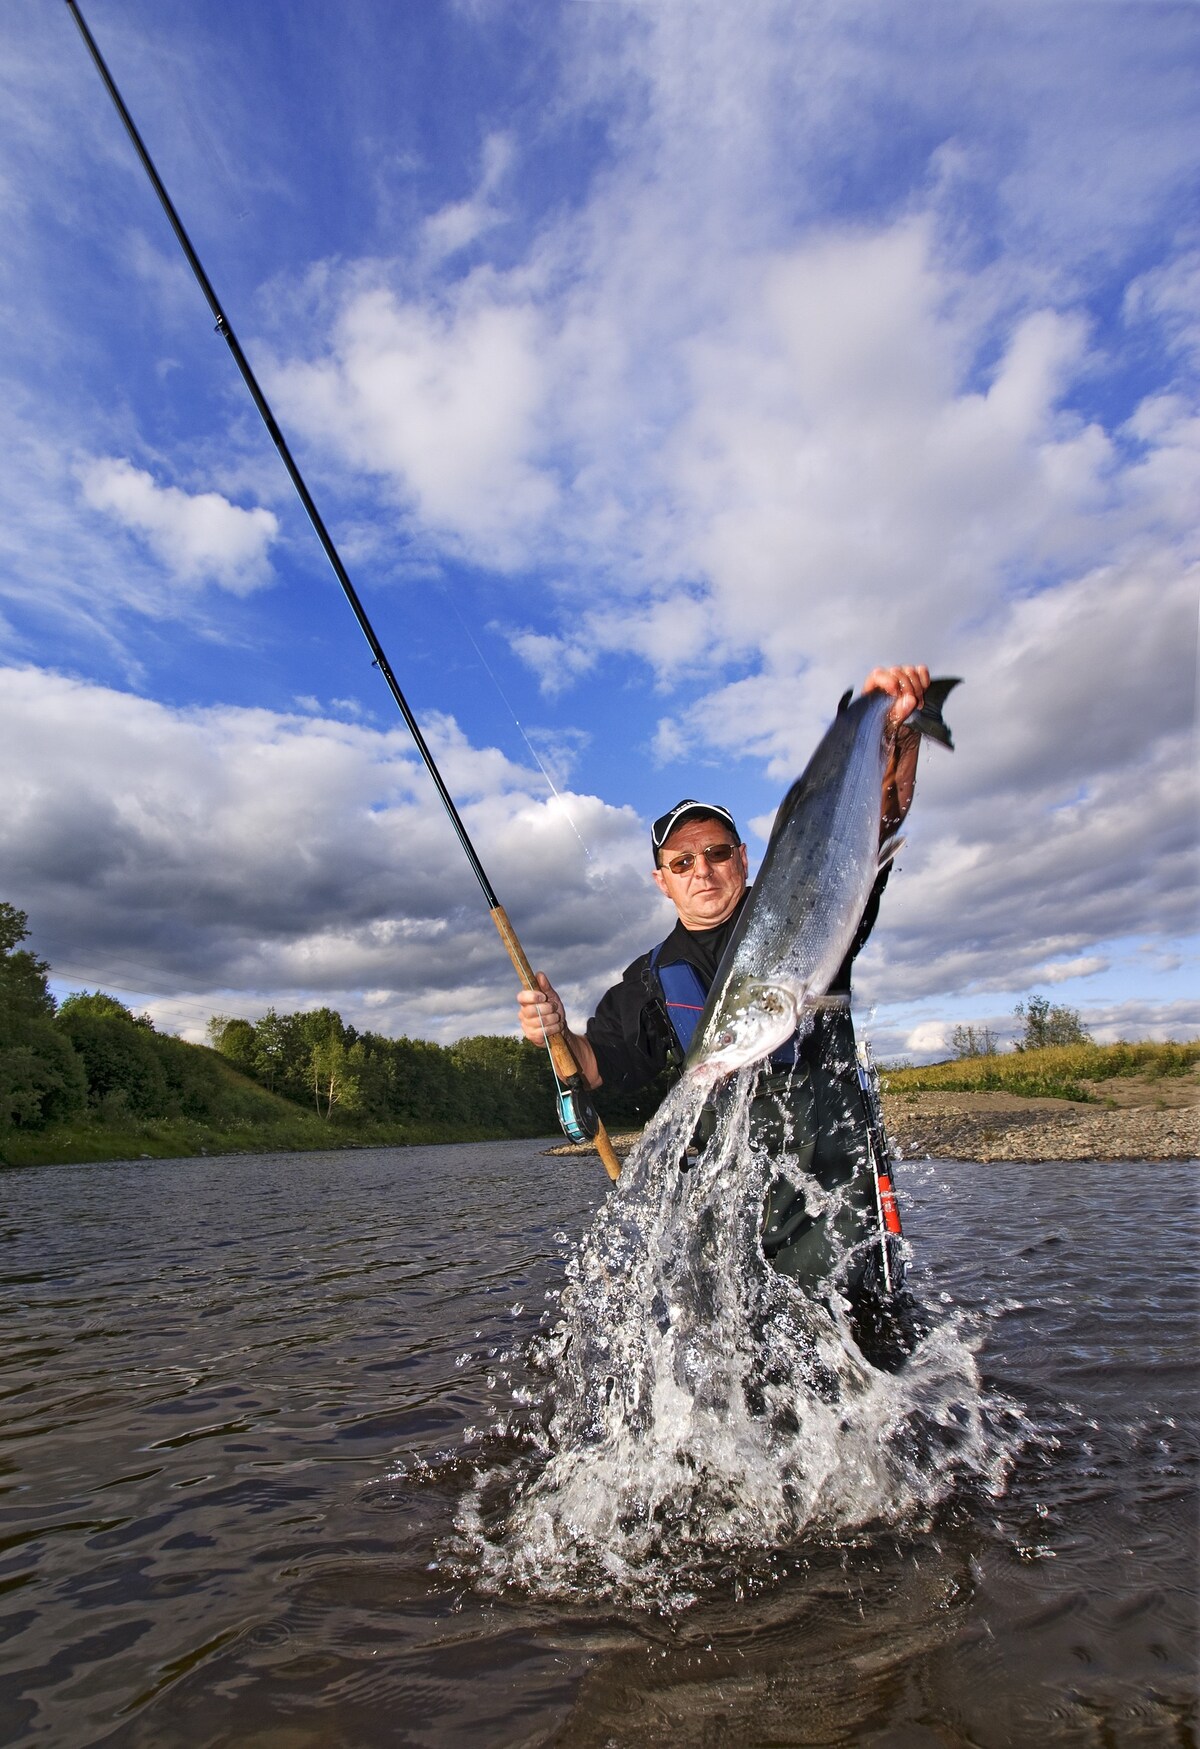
252, 1407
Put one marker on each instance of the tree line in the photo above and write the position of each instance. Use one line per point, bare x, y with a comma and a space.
316, 1059
91, 1056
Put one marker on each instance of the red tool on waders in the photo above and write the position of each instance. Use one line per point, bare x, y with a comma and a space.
886, 1206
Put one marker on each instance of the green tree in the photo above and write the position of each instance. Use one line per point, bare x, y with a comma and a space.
275, 1051
272, 1038
973, 1041
374, 1070
237, 1041
41, 1078
317, 1060
1047, 1024
505, 1084
334, 1082
124, 1071
424, 1086
99, 1005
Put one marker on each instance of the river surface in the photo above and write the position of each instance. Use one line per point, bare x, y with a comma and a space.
247, 1403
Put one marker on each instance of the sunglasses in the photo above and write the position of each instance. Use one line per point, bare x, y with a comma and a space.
712, 854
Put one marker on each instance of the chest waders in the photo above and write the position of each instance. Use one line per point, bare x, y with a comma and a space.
826, 1224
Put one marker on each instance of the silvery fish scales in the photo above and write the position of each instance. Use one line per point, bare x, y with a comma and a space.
811, 892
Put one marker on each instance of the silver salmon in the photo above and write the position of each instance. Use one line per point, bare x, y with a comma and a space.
811, 891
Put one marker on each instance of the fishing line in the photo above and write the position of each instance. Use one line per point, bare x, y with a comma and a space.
565, 1063
533, 752
147, 991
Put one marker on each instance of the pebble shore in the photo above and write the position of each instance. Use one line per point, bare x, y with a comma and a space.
987, 1127
944, 1126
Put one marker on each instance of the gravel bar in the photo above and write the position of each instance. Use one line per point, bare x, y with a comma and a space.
992, 1127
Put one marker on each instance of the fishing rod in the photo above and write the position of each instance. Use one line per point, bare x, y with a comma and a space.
579, 1118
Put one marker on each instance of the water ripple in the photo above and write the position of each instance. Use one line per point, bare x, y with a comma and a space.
243, 1399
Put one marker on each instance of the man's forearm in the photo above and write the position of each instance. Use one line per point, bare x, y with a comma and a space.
899, 780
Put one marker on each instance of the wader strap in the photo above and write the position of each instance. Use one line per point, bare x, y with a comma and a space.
684, 994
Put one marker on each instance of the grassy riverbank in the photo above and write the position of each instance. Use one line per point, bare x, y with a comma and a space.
1077, 1072
1068, 1102
179, 1138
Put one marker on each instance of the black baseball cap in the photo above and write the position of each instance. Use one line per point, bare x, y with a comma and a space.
689, 809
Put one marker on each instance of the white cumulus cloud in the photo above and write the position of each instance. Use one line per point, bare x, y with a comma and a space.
443, 399
200, 537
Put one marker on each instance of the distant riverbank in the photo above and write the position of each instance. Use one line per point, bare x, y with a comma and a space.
1140, 1120
1064, 1102
87, 1142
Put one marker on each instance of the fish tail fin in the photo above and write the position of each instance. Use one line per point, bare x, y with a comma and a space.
928, 720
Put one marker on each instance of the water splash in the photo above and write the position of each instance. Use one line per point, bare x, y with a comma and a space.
703, 1407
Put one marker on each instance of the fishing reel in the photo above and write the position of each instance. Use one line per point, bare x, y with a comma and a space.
578, 1116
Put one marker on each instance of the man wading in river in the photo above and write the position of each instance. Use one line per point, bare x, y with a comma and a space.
809, 1111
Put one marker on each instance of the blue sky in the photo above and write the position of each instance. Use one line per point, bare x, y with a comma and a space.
659, 368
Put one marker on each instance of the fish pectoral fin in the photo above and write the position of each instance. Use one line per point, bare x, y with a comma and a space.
836, 1000
889, 848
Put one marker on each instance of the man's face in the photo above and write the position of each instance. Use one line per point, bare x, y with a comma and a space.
706, 893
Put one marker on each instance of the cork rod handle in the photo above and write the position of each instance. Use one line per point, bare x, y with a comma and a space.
561, 1054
